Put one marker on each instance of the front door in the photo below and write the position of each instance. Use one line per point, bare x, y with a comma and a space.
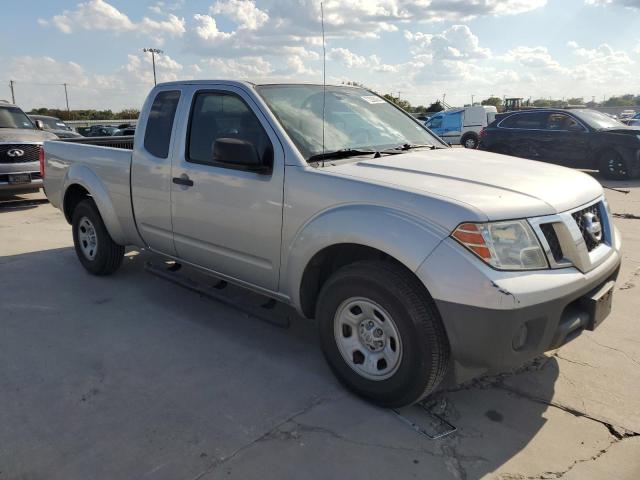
566, 141
227, 219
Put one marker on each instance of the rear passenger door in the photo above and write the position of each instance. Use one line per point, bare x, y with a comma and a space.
227, 219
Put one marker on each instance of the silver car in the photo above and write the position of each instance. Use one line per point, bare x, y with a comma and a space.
20, 144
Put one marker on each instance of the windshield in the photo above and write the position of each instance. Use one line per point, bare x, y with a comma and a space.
597, 119
355, 119
52, 123
13, 117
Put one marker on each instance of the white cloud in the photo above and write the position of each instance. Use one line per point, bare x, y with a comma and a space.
618, 3
207, 28
245, 68
536, 58
347, 58
101, 15
456, 42
243, 12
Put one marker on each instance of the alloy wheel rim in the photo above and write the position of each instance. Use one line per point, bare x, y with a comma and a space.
367, 338
87, 238
616, 167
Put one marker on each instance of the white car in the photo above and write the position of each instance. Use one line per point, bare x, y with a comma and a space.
462, 126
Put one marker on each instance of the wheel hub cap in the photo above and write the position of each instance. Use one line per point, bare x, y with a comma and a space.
87, 238
367, 338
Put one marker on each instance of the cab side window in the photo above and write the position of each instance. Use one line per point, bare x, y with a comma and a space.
157, 136
435, 122
560, 121
525, 121
217, 115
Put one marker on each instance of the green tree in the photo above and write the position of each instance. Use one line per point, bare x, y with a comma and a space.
404, 104
435, 107
494, 101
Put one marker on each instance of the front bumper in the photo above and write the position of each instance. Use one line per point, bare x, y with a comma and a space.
484, 311
32, 168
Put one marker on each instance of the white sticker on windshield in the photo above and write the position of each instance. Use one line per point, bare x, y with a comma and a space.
372, 99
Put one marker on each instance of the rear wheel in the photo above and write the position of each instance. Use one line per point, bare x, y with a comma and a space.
95, 248
470, 140
381, 333
613, 166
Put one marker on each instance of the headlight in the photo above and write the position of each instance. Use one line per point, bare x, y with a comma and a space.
509, 245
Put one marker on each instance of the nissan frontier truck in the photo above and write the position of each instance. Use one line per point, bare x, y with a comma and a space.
422, 265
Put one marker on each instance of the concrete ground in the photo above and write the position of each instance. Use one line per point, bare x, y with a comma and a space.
131, 376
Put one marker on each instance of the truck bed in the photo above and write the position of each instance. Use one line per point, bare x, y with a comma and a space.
100, 165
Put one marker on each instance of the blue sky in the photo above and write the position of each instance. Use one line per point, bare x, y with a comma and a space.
421, 48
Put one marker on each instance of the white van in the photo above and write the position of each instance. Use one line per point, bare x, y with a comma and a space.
461, 126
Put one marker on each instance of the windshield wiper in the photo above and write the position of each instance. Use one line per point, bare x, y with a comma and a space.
342, 153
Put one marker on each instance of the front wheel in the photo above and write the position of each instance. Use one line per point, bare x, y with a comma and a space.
381, 333
613, 166
95, 248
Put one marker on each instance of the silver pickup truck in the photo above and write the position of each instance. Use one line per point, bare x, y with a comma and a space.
423, 265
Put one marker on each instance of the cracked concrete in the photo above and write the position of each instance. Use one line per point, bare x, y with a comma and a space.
133, 377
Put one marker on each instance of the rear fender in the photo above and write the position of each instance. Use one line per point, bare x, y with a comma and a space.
82, 175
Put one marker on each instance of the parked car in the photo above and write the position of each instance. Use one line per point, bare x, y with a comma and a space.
462, 126
574, 138
423, 265
20, 144
632, 121
53, 125
99, 131
627, 113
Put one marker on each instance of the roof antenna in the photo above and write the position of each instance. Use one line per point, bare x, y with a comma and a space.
324, 77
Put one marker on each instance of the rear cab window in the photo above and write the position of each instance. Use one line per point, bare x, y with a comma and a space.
157, 135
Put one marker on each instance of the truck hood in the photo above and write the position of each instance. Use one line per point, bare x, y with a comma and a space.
498, 186
18, 135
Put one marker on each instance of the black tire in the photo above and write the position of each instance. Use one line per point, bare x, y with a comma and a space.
613, 166
470, 140
108, 255
425, 348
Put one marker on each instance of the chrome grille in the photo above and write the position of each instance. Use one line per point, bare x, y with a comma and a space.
593, 215
9, 152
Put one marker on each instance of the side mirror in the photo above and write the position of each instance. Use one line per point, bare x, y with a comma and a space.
39, 124
237, 153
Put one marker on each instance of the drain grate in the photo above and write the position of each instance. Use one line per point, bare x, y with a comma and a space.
423, 420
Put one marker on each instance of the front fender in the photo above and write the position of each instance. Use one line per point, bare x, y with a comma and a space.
82, 175
405, 237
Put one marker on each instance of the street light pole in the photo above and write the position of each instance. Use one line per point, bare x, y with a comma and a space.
153, 52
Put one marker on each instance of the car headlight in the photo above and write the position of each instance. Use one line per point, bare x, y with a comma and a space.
508, 245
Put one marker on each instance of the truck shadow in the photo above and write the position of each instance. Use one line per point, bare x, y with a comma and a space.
136, 358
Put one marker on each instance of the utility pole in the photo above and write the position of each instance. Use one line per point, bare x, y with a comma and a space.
66, 96
444, 95
472, 95
13, 96
153, 52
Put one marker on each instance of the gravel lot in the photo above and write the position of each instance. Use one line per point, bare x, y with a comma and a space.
131, 376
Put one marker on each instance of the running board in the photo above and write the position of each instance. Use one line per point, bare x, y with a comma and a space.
172, 272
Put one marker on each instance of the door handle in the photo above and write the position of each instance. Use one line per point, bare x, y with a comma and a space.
183, 180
